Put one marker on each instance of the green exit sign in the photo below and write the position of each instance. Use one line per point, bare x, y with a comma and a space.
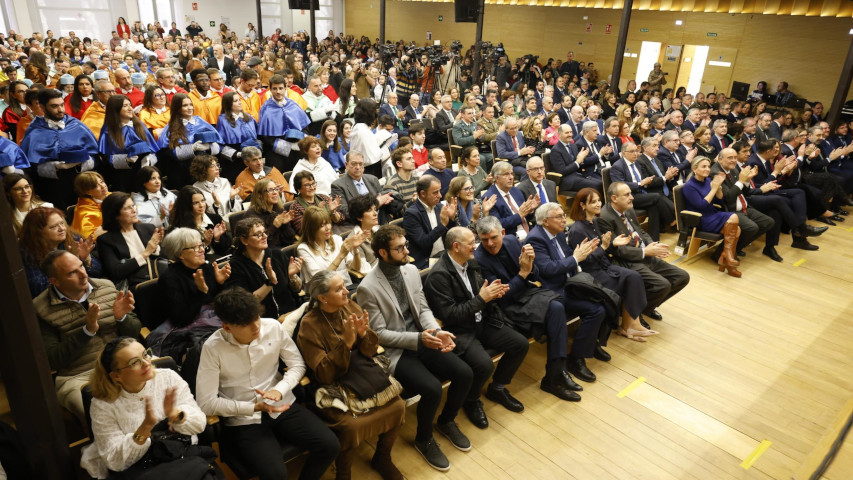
712, 34
440, 18
644, 30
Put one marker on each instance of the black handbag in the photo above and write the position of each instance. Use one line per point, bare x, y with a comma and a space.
584, 286
364, 378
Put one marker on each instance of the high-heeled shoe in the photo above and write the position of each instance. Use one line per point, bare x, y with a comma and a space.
630, 336
728, 260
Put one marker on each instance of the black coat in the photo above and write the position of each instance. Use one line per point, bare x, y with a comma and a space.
115, 256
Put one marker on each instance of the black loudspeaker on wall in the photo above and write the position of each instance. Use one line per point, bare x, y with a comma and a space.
466, 11
301, 5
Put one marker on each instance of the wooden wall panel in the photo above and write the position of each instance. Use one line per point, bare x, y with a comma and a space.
807, 52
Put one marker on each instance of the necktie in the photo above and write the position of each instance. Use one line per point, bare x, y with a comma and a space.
723, 142
515, 210
542, 196
399, 122
739, 196
557, 246
637, 176
638, 242
515, 143
657, 170
362, 190
613, 144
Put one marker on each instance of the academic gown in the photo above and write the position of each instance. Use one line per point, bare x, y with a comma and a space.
12, 155
242, 134
177, 170
73, 144
124, 172
281, 123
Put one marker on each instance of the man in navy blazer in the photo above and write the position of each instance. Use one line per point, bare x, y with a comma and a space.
517, 155
564, 111
568, 164
670, 156
426, 221
513, 217
557, 262
414, 111
597, 155
660, 210
393, 110
576, 121
534, 309
719, 140
610, 138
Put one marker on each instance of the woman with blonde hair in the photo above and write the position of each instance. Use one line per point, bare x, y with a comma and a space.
321, 250
134, 406
268, 205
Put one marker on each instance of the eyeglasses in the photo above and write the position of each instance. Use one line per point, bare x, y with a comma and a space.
468, 189
198, 247
22, 189
400, 249
159, 95
309, 185
356, 164
561, 216
260, 235
535, 169
138, 362
129, 208
57, 226
111, 92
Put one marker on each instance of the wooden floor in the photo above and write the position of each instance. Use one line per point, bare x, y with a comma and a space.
764, 358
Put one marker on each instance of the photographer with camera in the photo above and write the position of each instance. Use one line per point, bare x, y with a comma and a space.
657, 78
408, 73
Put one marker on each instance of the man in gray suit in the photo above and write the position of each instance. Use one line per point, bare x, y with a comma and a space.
421, 352
537, 184
661, 279
355, 182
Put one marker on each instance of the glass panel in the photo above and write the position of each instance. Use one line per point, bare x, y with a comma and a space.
93, 24
270, 10
325, 11
146, 12
270, 24
323, 26
164, 13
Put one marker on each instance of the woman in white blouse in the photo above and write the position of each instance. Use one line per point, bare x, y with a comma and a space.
131, 397
21, 198
321, 250
129, 249
324, 173
220, 196
364, 141
153, 201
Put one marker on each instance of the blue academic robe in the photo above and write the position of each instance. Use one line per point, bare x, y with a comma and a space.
73, 144
336, 159
244, 134
287, 121
199, 131
133, 145
11, 154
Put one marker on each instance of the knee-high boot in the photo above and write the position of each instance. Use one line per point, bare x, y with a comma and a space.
728, 260
381, 461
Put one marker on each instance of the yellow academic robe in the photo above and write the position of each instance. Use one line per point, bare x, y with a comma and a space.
94, 118
154, 120
207, 108
87, 216
252, 105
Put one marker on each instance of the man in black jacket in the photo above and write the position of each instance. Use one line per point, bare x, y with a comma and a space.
476, 321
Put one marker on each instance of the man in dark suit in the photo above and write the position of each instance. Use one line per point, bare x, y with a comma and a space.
592, 115
610, 137
556, 263
444, 120
438, 168
565, 110
414, 111
420, 351
536, 183
568, 164
693, 120
355, 182
224, 64
509, 144
501, 257
511, 208
775, 128
795, 197
643, 255
736, 196
676, 121
762, 128
597, 154
576, 122
570, 67
719, 140
426, 221
458, 295
660, 210
665, 178
670, 156
393, 110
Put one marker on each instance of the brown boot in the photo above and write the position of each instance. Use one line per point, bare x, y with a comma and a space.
343, 465
728, 260
381, 461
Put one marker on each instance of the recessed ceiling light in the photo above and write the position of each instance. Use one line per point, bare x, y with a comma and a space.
679, 22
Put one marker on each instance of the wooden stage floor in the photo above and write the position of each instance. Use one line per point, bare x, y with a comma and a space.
738, 362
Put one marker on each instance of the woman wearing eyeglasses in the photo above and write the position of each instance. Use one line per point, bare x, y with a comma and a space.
307, 196
469, 208
221, 197
129, 249
131, 400
268, 206
155, 113
190, 282
21, 198
271, 275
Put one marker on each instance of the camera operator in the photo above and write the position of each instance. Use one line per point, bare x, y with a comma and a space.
529, 71
503, 70
657, 78
427, 78
364, 80
407, 79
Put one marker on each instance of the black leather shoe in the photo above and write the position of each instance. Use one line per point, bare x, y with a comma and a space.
504, 398
741, 253
803, 244
559, 390
825, 220
837, 218
475, 413
569, 382
578, 368
601, 354
842, 212
654, 315
810, 231
644, 323
772, 253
